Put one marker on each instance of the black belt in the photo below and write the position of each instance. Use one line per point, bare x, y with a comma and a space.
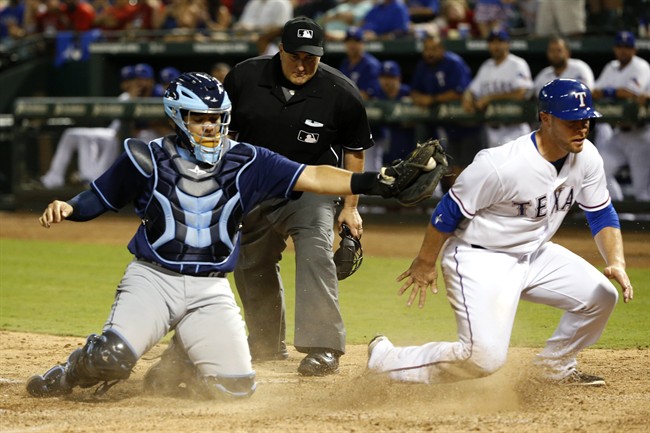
209, 274
478, 247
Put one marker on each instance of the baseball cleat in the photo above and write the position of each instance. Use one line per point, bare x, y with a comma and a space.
319, 362
578, 378
377, 350
50, 384
174, 374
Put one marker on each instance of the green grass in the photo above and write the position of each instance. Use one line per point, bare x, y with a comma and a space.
68, 288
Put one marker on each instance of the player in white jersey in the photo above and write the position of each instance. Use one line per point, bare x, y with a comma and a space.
625, 78
502, 77
562, 66
493, 230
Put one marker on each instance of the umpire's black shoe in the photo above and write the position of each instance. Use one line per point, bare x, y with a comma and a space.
50, 384
319, 362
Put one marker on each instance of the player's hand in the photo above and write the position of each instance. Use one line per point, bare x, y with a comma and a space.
350, 216
55, 212
617, 273
421, 276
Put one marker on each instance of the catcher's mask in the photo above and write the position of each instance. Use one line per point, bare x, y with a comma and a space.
349, 256
194, 94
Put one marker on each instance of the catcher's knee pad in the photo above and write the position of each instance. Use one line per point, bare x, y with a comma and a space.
216, 387
104, 357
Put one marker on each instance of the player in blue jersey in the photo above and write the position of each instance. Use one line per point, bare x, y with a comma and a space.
191, 190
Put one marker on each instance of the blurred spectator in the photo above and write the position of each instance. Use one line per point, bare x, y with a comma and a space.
53, 16
561, 17
184, 18
264, 15
457, 20
387, 19
96, 148
492, 14
502, 77
442, 76
12, 18
348, 13
398, 138
116, 16
422, 11
165, 76
358, 65
312, 8
626, 78
219, 70
562, 66
220, 15
605, 15
148, 15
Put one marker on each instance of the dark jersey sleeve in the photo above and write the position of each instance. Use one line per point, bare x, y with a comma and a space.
120, 184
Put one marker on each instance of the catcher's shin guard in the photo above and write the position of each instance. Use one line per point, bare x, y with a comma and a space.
51, 384
104, 358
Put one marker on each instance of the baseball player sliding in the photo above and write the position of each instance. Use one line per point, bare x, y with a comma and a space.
493, 230
191, 191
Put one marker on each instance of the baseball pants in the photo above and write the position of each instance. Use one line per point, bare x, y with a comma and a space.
484, 289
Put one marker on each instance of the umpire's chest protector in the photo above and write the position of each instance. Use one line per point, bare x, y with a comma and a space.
309, 127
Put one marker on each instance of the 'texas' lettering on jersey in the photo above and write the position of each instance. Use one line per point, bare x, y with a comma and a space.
562, 202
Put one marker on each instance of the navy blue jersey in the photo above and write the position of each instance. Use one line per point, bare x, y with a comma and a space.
191, 212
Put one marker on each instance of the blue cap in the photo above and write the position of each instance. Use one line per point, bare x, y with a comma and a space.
390, 69
354, 33
127, 73
499, 34
625, 39
567, 99
168, 74
143, 70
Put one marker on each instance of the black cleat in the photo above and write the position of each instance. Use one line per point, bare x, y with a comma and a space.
50, 384
578, 378
319, 362
172, 375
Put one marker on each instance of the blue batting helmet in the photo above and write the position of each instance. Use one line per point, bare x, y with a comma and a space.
567, 99
195, 93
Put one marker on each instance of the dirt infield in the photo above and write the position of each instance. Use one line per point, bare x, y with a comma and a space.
351, 401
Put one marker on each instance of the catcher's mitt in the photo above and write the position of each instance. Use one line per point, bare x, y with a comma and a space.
349, 256
415, 178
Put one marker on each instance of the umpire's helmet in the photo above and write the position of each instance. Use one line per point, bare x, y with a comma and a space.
198, 93
567, 99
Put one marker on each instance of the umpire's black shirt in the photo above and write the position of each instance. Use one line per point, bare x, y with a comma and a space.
323, 116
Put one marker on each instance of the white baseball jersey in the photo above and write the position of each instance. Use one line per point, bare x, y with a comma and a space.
575, 69
514, 200
633, 77
511, 74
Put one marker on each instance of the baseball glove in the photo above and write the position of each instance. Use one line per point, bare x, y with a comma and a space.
415, 178
349, 256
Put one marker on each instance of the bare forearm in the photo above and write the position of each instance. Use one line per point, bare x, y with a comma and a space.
432, 243
324, 179
610, 245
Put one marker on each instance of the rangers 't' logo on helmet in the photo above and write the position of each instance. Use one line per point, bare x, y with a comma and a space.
582, 96
305, 33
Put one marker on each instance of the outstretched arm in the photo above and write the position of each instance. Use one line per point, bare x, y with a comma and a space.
83, 207
422, 273
610, 245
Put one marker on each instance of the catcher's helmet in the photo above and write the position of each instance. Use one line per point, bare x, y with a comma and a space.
198, 93
349, 256
567, 99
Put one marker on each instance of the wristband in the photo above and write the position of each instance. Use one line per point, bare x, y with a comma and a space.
609, 92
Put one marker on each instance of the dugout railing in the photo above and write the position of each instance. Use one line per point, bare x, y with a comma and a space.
30, 135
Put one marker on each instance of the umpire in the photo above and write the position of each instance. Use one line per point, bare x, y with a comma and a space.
311, 113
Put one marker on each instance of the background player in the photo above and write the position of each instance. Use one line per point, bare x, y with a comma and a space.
493, 230
562, 66
191, 191
625, 79
502, 77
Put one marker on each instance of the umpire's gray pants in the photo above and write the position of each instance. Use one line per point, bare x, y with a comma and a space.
318, 323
